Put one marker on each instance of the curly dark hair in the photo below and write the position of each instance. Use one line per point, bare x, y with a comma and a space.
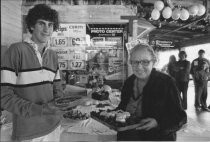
44, 12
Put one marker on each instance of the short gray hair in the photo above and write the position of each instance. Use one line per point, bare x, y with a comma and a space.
144, 46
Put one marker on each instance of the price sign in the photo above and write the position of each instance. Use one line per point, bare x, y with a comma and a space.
59, 41
115, 40
82, 79
77, 29
76, 41
77, 56
62, 31
62, 52
63, 65
77, 65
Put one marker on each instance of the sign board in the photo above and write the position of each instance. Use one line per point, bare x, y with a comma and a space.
164, 43
63, 65
62, 52
77, 41
77, 65
62, 31
76, 30
106, 50
59, 41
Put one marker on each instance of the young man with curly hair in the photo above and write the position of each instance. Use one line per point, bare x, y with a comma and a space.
30, 80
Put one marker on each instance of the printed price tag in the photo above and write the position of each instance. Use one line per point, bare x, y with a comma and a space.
63, 65
62, 52
59, 41
77, 65
77, 55
76, 41
77, 29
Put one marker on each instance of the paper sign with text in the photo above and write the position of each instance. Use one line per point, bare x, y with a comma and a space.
62, 52
77, 65
76, 30
63, 64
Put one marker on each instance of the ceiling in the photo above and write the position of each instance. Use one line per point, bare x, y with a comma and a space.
195, 30
182, 35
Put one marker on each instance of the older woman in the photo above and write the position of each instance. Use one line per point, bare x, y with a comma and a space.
153, 97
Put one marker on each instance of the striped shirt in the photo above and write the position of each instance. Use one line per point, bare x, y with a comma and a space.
28, 81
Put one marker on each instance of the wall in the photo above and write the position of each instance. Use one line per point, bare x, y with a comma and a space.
11, 26
90, 13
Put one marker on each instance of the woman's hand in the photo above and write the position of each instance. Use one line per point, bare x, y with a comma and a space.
147, 124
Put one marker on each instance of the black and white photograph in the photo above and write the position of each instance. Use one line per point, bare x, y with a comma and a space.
105, 70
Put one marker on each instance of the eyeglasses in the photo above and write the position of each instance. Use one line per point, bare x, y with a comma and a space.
142, 62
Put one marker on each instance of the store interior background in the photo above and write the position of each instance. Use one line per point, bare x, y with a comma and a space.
11, 31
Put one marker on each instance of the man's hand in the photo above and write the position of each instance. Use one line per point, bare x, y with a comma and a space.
51, 109
147, 124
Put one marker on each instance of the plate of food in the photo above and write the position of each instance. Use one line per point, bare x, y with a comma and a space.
102, 93
117, 120
76, 115
67, 101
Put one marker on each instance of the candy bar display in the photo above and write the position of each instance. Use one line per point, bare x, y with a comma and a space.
118, 120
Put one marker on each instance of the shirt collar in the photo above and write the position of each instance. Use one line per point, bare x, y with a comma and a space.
34, 45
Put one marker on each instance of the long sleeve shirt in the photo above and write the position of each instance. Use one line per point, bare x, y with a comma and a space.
28, 82
196, 63
183, 72
160, 101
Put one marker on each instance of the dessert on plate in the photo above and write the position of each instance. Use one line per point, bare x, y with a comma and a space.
102, 93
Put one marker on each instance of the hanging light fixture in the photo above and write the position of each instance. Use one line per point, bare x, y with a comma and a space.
167, 12
155, 14
176, 14
184, 14
201, 10
159, 5
193, 10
